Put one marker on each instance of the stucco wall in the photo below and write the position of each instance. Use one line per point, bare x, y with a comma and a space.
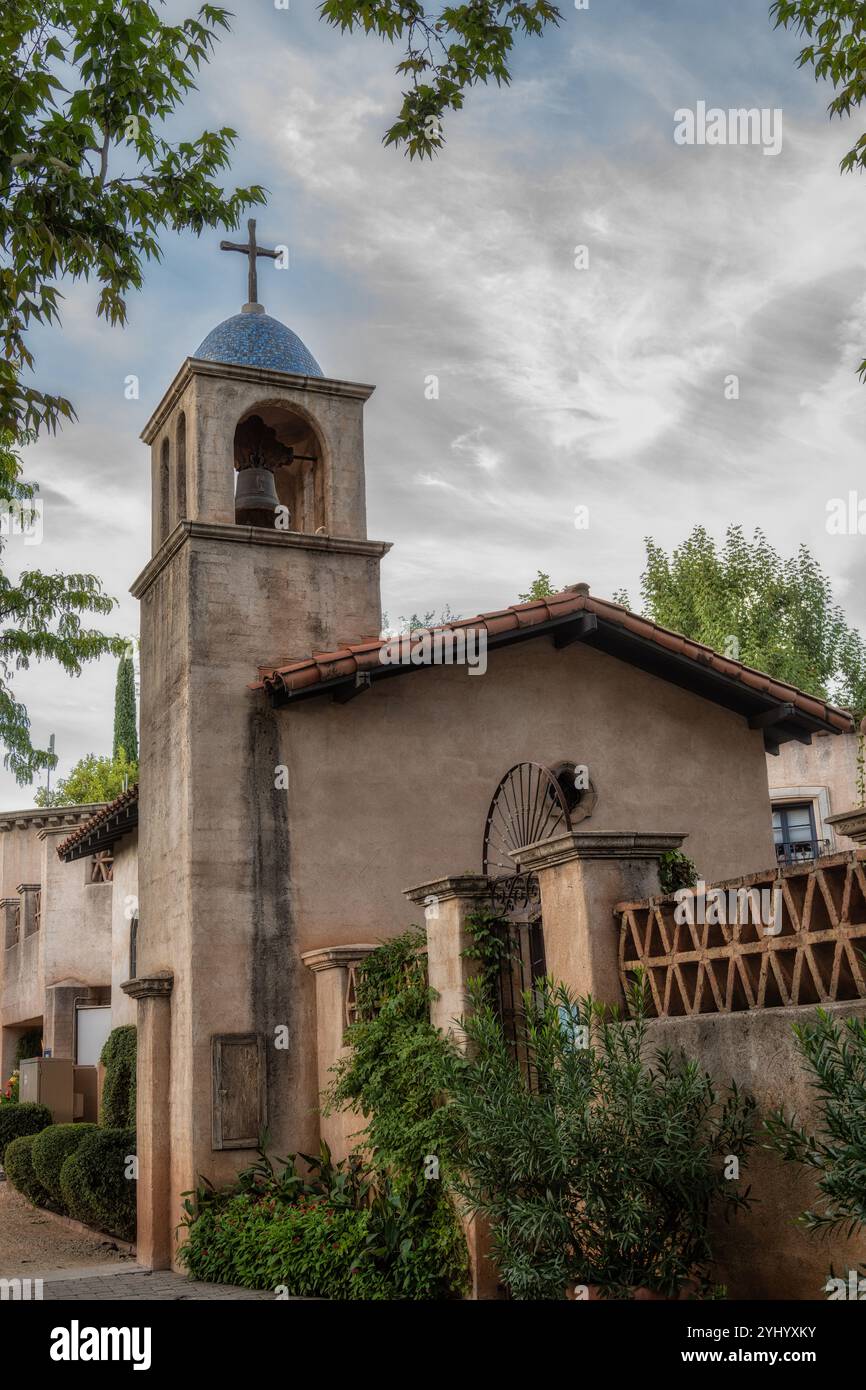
215, 864
828, 764
76, 919
763, 1254
20, 855
403, 776
123, 900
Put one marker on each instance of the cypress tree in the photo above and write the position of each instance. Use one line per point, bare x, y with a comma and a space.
125, 735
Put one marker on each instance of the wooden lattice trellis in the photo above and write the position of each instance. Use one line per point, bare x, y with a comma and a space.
816, 956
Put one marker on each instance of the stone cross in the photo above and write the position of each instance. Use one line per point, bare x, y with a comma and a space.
251, 250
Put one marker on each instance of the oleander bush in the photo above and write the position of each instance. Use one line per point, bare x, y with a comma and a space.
97, 1181
50, 1150
18, 1165
834, 1052
18, 1119
118, 1091
597, 1158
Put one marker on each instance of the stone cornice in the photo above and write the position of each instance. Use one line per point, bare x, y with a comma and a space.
261, 376
251, 535
158, 986
545, 854
455, 886
335, 957
850, 823
47, 818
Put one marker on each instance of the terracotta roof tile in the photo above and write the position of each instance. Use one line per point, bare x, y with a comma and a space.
81, 832
355, 657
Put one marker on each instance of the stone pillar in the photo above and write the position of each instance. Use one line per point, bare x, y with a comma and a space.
582, 876
155, 1236
29, 895
334, 968
11, 910
447, 903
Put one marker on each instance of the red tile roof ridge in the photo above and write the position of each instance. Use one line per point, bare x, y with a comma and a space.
82, 831
574, 599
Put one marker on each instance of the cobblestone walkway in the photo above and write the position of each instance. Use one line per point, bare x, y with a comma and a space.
101, 1282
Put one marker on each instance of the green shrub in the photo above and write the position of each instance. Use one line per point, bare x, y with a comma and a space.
398, 1074
118, 1092
594, 1163
339, 1232
834, 1050
94, 1183
18, 1165
310, 1248
19, 1119
50, 1149
28, 1045
676, 871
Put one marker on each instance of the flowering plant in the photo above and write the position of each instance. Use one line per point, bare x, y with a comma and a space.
10, 1090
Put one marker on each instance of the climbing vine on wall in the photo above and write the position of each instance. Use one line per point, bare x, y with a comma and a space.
398, 1076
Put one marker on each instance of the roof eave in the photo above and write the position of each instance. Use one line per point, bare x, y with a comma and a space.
105, 835
614, 640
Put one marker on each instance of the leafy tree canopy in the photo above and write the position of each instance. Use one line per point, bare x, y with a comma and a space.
445, 53
777, 615
836, 51
93, 779
540, 587
87, 183
125, 727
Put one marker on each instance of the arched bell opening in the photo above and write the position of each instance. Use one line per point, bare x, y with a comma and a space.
280, 474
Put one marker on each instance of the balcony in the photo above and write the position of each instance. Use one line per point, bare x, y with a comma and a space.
800, 851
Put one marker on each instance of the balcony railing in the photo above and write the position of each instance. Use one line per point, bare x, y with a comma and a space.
800, 851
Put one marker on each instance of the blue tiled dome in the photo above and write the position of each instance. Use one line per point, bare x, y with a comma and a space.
257, 340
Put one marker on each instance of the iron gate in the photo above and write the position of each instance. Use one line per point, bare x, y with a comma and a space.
516, 903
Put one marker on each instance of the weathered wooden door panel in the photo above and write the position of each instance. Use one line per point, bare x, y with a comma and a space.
239, 1090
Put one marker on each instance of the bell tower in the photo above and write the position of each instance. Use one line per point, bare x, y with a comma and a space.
259, 555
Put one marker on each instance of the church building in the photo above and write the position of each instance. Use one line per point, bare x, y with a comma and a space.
304, 787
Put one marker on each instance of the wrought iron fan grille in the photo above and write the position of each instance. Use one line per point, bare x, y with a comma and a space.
528, 805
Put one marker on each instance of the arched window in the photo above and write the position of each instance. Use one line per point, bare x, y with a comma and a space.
285, 442
164, 492
180, 456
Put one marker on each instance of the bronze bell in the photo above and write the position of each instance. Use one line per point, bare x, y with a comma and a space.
256, 500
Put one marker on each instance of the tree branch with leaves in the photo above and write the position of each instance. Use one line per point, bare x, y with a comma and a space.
88, 182
445, 54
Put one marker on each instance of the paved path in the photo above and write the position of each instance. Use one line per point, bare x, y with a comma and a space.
87, 1268
33, 1241
98, 1283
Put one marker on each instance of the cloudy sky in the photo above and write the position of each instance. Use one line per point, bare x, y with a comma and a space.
559, 387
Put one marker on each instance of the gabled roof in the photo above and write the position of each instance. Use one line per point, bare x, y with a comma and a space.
782, 711
102, 829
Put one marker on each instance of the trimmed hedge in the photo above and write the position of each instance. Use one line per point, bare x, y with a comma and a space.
118, 1092
17, 1119
51, 1148
18, 1165
93, 1182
